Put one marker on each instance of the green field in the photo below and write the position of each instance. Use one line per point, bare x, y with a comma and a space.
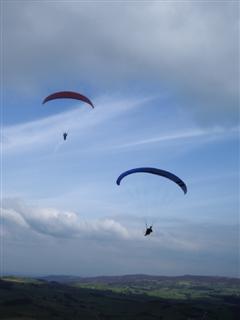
122, 298
170, 289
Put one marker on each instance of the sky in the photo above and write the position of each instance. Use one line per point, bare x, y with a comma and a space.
164, 79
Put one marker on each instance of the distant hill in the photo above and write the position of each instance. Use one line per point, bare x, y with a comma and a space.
61, 278
139, 277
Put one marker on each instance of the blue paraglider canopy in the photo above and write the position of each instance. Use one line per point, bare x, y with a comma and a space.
155, 171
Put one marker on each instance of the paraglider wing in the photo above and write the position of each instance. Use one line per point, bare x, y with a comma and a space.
159, 172
68, 95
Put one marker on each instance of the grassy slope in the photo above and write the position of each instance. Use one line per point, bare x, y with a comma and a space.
22, 298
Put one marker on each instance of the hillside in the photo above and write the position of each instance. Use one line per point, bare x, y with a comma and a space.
126, 297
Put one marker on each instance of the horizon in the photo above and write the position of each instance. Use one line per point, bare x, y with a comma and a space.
113, 276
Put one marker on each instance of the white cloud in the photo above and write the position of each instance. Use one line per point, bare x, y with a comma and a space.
68, 224
56, 223
12, 216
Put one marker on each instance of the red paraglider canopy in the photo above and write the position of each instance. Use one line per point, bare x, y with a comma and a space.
68, 95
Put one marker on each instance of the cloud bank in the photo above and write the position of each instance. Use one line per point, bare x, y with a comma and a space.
62, 224
189, 50
45, 240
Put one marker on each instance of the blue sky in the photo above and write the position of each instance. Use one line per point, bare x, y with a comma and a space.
164, 80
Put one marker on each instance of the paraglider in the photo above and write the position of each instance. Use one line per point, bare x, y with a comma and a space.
68, 95
158, 172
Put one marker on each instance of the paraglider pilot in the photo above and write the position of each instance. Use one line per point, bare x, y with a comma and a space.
65, 136
148, 231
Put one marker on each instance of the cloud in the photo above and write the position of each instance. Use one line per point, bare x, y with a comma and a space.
189, 50
174, 234
62, 224
40, 240
215, 133
33, 135
44, 132
68, 224
12, 216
